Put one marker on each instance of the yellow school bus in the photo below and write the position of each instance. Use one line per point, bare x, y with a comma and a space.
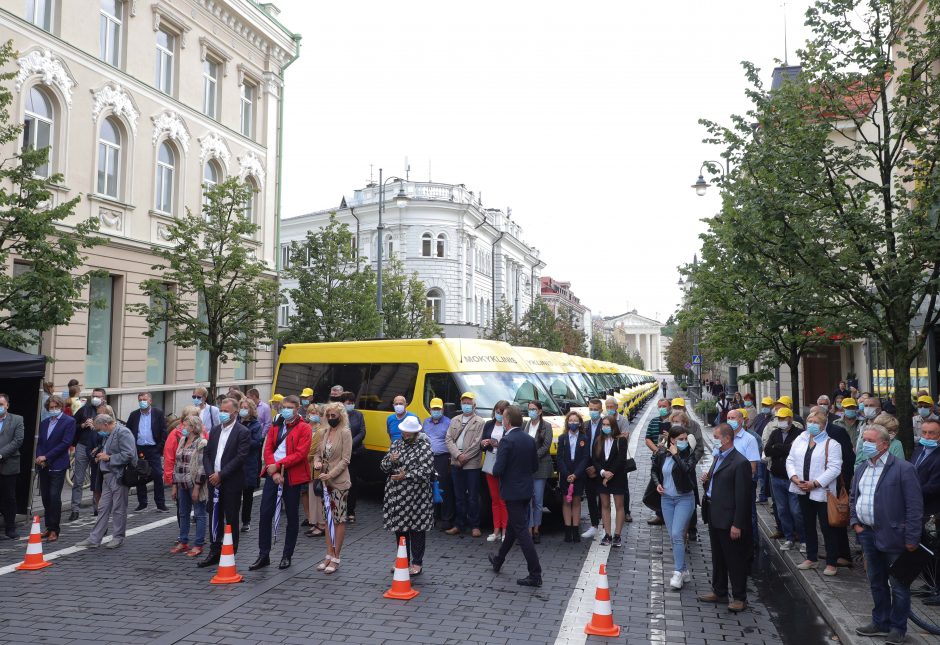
555, 379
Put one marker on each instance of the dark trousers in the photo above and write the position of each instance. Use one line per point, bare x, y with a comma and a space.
414, 543
446, 507
290, 501
8, 501
154, 457
729, 560
50, 489
812, 512
593, 501
517, 528
891, 598
467, 496
351, 496
248, 501
230, 501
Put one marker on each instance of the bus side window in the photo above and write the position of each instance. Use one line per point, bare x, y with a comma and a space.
294, 377
385, 382
443, 387
350, 375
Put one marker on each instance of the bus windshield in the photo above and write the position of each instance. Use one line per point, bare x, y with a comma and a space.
562, 389
584, 383
515, 387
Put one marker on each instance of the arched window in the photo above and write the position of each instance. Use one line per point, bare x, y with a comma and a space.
389, 245
211, 176
426, 245
166, 171
435, 304
251, 203
441, 242
109, 158
37, 127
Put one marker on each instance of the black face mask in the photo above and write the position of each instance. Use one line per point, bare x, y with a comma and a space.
333, 421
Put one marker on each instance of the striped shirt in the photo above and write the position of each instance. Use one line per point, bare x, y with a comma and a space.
865, 504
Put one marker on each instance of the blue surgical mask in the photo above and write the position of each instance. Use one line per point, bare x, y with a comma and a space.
924, 412
838, 406
287, 413
313, 418
533, 414
861, 407
871, 413
606, 429
663, 412
734, 424
573, 426
197, 400
928, 443
183, 433
3, 410
243, 413
55, 413
224, 417
437, 414
869, 449
467, 408
851, 414
143, 405
682, 445
103, 434
499, 418
813, 429
595, 415
612, 413
716, 452
305, 402
350, 407
765, 410
748, 404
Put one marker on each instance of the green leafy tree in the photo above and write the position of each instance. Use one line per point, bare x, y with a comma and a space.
335, 296
505, 328
600, 349
573, 339
680, 351
49, 292
540, 328
404, 304
211, 291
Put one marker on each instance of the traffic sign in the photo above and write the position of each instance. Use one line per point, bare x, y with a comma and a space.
696, 359
688, 366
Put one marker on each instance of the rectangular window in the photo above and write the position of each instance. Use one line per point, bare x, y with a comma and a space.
109, 31
285, 256
107, 169
202, 356
156, 355
442, 386
386, 381
240, 372
435, 306
37, 134
166, 50
248, 109
283, 315
164, 191
210, 91
39, 12
98, 344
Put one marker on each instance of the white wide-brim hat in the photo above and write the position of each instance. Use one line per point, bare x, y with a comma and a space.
410, 425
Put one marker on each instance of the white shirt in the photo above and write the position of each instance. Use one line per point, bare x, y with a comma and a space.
608, 445
867, 484
819, 471
223, 439
572, 443
281, 451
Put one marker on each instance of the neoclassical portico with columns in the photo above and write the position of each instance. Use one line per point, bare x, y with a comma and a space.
637, 334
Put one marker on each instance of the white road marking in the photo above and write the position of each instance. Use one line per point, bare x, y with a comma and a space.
75, 549
581, 604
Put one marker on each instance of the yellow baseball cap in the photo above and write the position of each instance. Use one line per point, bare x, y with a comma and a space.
849, 402
277, 398
783, 413
921, 399
307, 392
767, 400
468, 395
678, 402
786, 400
436, 404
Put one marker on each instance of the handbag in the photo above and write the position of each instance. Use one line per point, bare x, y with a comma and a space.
837, 506
136, 473
318, 488
629, 464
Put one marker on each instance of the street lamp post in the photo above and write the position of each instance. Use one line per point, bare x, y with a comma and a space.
401, 200
700, 185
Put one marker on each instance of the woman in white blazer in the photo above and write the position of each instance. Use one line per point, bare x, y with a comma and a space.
813, 466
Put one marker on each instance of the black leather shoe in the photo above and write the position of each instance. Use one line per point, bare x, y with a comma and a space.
285, 562
163, 509
140, 507
494, 560
262, 561
211, 560
536, 538
73, 516
12, 535
529, 581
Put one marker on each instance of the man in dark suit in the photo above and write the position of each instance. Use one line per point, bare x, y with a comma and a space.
148, 425
357, 426
52, 460
224, 462
11, 438
728, 494
516, 462
592, 429
926, 460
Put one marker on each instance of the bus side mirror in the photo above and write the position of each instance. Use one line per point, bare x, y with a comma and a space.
450, 410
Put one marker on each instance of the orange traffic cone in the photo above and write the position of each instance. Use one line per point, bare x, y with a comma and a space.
401, 581
602, 621
226, 574
33, 560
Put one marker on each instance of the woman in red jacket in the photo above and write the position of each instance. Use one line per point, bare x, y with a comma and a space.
285, 470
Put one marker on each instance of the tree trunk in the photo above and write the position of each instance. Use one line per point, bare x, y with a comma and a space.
900, 356
794, 365
752, 385
213, 375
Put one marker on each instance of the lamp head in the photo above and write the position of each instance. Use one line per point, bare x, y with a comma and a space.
401, 200
700, 186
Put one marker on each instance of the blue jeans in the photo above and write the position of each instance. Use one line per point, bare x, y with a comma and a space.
788, 509
762, 475
184, 498
466, 497
677, 510
535, 504
892, 601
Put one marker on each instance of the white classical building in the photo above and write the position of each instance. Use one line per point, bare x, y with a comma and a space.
472, 259
142, 104
637, 334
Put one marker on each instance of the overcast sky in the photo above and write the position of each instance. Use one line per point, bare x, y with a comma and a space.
581, 117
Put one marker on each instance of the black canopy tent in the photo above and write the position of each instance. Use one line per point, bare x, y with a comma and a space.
21, 379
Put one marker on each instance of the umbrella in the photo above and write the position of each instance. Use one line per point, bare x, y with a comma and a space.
278, 504
215, 514
328, 508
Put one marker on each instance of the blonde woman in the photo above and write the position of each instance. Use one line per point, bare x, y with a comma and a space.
890, 422
332, 460
313, 505
189, 485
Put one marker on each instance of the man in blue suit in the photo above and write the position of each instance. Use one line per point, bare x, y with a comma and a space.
926, 460
52, 460
516, 462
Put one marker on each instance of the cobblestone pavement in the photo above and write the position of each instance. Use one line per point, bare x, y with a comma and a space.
141, 594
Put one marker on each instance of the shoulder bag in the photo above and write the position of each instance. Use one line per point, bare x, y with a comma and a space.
629, 464
837, 505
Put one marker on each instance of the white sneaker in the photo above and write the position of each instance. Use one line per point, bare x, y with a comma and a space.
492, 537
676, 581
803, 549
686, 576
591, 532
786, 546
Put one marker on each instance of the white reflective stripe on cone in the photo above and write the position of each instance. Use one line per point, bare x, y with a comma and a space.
602, 608
227, 561
32, 548
401, 575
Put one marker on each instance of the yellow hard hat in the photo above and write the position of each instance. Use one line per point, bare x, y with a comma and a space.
743, 411
307, 392
767, 400
468, 395
436, 404
849, 401
921, 399
678, 402
277, 398
783, 413
786, 400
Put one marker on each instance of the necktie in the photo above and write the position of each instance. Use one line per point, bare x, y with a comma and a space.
920, 460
